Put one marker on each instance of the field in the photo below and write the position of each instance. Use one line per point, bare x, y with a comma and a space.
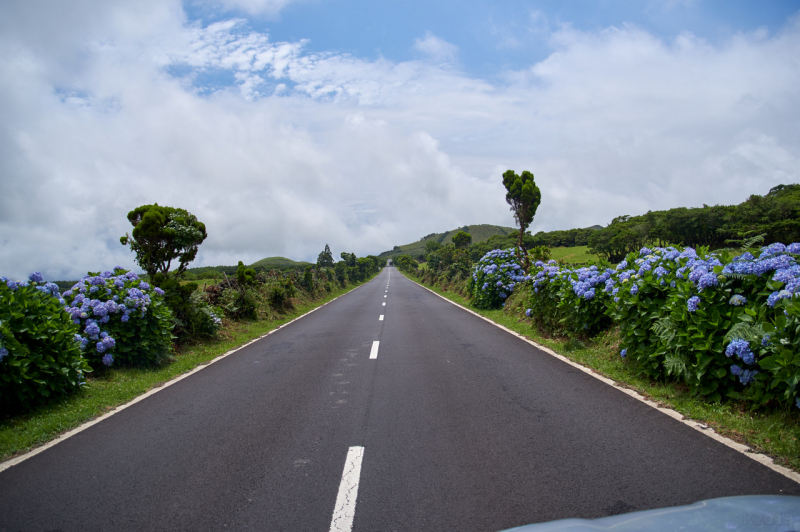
574, 255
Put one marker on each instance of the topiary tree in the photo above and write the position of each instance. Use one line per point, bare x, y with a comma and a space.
524, 197
325, 258
161, 235
462, 240
245, 275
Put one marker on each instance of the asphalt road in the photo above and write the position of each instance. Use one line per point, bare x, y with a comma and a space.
461, 426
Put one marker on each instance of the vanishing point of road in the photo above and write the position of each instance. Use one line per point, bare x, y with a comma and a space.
387, 409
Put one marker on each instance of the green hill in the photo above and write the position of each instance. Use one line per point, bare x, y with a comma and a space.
479, 234
279, 263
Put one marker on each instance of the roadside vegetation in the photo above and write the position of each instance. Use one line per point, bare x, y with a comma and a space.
66, 358
713, 334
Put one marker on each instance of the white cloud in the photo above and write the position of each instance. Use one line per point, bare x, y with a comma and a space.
307, 148
437, 49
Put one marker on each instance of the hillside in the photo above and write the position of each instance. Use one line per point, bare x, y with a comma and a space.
279, 263
479, 233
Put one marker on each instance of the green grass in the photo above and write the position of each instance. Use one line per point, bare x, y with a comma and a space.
577, 254
775, 433
118, 386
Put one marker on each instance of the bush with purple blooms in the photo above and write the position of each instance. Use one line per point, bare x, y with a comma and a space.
122, 319
683, 317
39, 355
570, 300
494, 278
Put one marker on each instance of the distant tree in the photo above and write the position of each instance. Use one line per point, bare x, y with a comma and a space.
161, 235
308, 280
431, 246
325, 258
349, 259
462, 240
524, 197
245, 275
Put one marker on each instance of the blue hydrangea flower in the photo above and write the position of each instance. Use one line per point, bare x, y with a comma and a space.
765, 340
693, 302
740, 348
529, 312
3, 353
36, 277
623, 353
748, 376
635, 289
707, 280
738, 300
108, 359
777, 296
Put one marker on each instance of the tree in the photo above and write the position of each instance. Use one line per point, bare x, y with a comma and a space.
462, 240
431, 246
349, 259
161, 235
245, 275
325, 258
524, 197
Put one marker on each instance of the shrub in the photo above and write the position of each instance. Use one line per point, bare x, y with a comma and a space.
192, 316
728, 327
240, 303
121, 319
244, 275
308, 280
39, 354
569, 301
494, 278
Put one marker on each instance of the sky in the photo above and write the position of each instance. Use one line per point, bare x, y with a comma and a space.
285, 125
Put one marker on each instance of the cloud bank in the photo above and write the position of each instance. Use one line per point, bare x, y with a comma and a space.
279, 151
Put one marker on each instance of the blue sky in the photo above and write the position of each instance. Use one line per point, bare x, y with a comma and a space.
288, 124
493, 36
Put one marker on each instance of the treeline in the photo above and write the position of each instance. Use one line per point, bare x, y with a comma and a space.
775, 215
565, 239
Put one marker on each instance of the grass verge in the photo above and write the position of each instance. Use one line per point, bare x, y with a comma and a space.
772, 432
114, 388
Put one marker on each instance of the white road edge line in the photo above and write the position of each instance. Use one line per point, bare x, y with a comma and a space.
704, 429
383, 304
21, 458
381, 318
373, 353
345, 509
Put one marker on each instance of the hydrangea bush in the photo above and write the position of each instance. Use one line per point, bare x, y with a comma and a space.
494, 278
122, 319
569, 300
725, 325
680, 311
39, 354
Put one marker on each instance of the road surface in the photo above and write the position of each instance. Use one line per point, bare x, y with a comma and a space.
387, 409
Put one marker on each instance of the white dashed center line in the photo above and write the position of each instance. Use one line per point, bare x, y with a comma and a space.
381, 318
345, 509
374, 351
383, 304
